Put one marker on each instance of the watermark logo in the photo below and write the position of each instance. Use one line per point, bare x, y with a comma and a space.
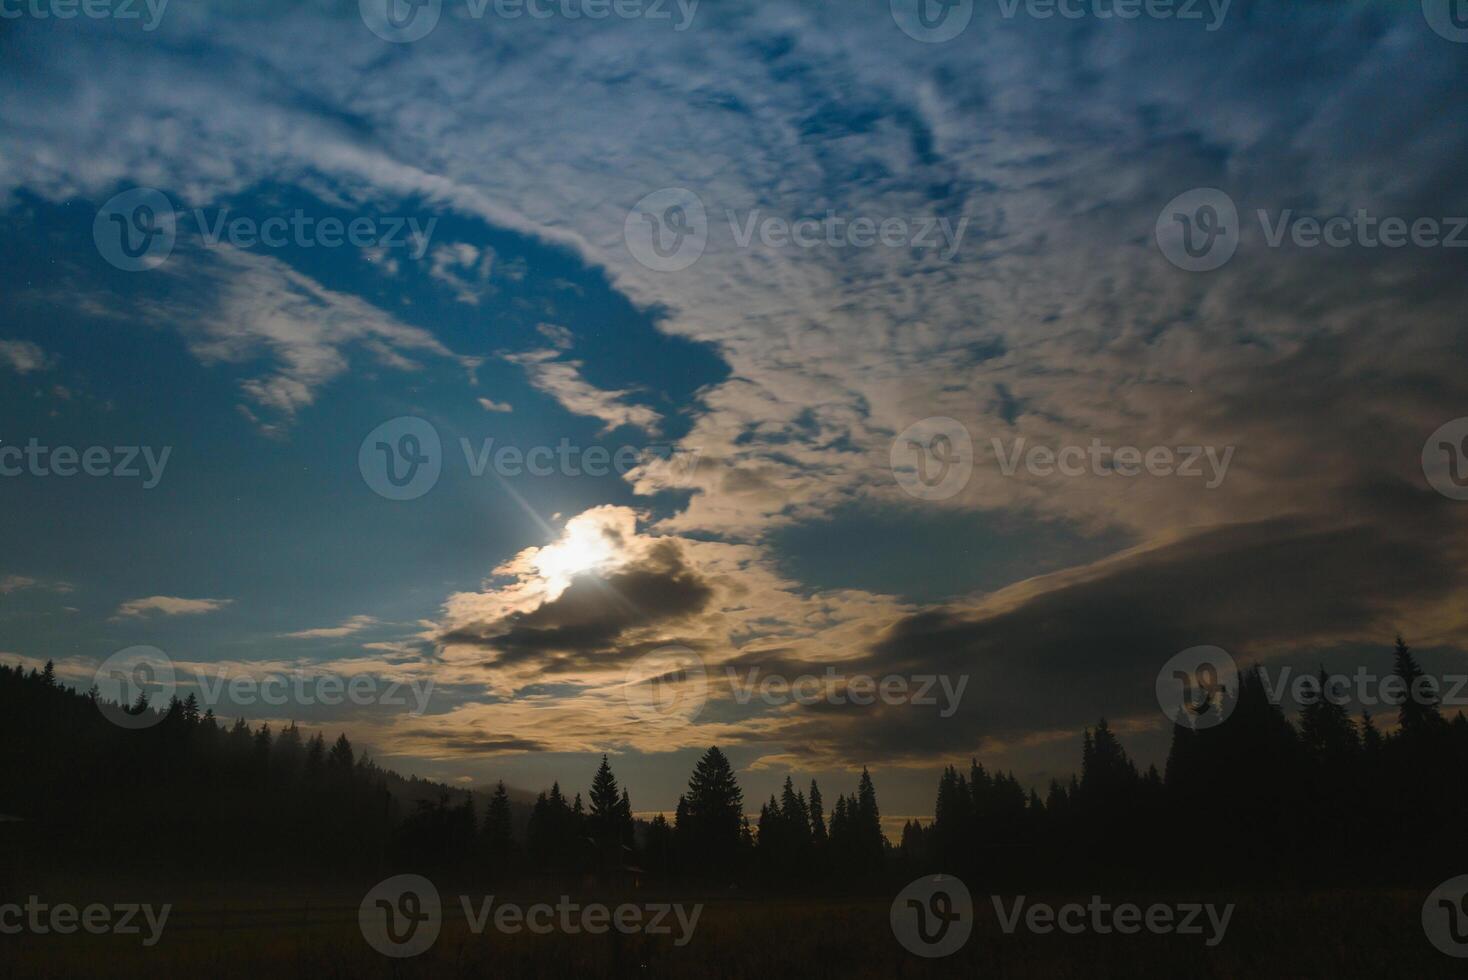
401, 916
837, 231
1198, 687
1120, 10
1445, 917
1362, 230
1103, 918
1205, 463
1449, 18
670, 682
124, 919
932, 21
1445, 459
1367, 689
309, 687
667, 230
1198, 230
402, 458
923, 690
90, 9
136, 229
933, 916
400, 21
126, 462
131, 680
932, 459
669, 465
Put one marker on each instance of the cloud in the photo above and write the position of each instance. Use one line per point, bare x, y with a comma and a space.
351, 625
238, 307
449, 260
166, 605
576, 613
559, 336
22, 356
562, 381
594, 614
16, 583
490, 405
1057, 322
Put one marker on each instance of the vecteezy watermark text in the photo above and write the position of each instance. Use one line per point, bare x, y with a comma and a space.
1127, 918
404, 21
935, 21
64, 919
136, 230
402, 915
1120, 10
569, 459
90, 9
403, 458
833, 687
1364, 688
1199, 230
38, 460
149, 673
934, 916
1099, 459
837, 231
668, 230
933, 459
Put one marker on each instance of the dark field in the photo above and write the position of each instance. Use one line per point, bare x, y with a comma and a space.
1322, 934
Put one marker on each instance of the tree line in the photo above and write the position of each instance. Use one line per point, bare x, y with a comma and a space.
1327, 799
1256, 799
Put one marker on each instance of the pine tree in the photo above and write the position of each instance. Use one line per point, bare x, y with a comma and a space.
1417, 711
342, 760
499, 842
771, 833
870, 841
626, 825
1325, 728
540, 834
1370, 736
817, 815
315, 758
262, 746
796, 816
711, 819
288, 751
605, 820
659, 845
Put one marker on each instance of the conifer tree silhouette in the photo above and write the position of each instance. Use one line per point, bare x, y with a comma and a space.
711, 821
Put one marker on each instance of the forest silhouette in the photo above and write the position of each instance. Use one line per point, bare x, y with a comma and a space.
1254, 799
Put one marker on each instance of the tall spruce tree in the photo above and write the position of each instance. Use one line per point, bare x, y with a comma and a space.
711, 815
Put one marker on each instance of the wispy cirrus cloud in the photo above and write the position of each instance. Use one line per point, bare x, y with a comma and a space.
239, 307
562, 380
351, 625
17, 583
167, 605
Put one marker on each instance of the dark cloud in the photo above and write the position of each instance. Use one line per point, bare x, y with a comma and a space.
1093, 646
587, 620
459, 742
